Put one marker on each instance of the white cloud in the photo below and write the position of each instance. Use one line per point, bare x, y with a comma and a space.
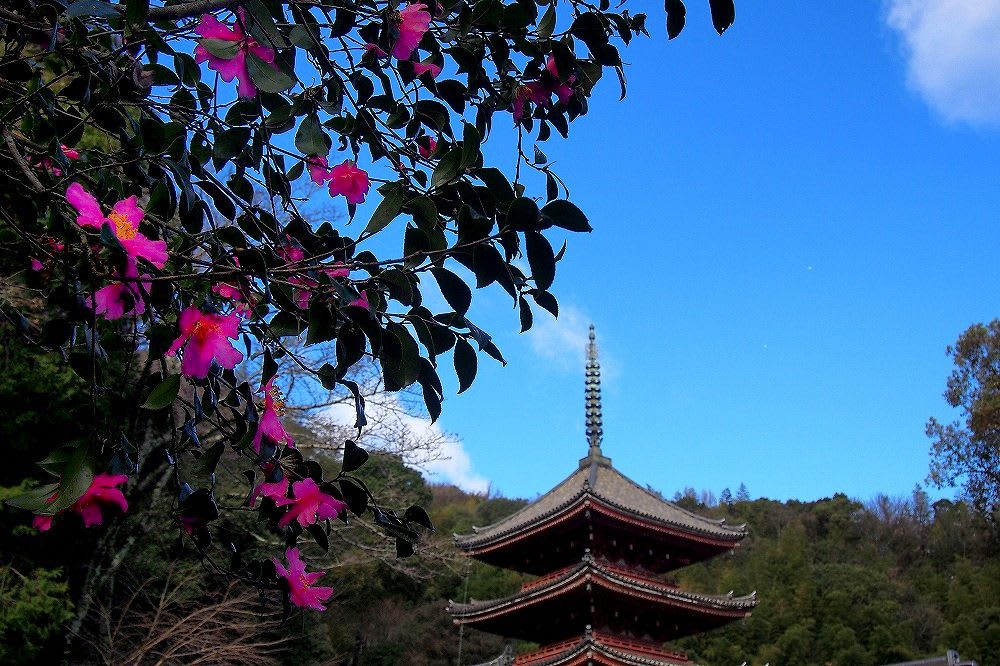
423, 445
953, 55
563, 340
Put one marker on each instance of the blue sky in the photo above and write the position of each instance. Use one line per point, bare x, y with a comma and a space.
792, 222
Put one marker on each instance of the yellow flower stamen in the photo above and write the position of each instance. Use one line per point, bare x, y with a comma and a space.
123, 228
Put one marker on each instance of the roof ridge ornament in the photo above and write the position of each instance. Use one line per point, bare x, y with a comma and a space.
592, 405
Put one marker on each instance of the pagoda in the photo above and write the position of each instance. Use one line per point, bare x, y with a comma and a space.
601, 546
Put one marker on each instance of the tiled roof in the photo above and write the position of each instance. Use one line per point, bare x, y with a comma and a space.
724, 602
596, 478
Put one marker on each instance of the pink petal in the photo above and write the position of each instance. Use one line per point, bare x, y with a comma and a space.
91, 515
89, 210
128, 209
420, 68
265, 53
197, 360
153, 251
229, 69
42, 523
211, 28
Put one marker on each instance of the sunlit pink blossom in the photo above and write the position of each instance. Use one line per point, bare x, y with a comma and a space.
301, 589
349, 180
414, 21
309, 504
319, 169
420, 68
426, 146
563, 90
530, 92
118, 299
236, 67
124, 220
205, 337
102, 493
269, 425
48, 164
273, 490
336, 270
291, 252
361, 302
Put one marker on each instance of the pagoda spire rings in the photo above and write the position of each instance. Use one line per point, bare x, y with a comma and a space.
592, 398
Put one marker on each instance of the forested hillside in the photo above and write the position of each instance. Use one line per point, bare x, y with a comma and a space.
840, 582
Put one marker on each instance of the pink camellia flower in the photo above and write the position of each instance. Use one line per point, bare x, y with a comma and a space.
301, 589
540, 92
336, 270
291, 252
124, 220
236, 67
269, 425
309, 505
561, 89
205, 337
36, 265
414, 21
121, 298
101, 493
361, 302
274, 490
349, 180
426, 146
319, 169
48, 164
531, 92
420, 68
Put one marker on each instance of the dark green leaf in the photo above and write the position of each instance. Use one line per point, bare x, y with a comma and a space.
318, 534
84, 8
310, 139
524, 311
465, 363
541, 259
723, 14
454, 289
221, 48
205, 466
393, 198
523, 215
163, 393
266, 76
135, 11
354, 456
448, 168
417, 514
564, 214
231, 143
675, 17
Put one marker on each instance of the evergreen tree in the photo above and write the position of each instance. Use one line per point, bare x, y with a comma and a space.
742, 494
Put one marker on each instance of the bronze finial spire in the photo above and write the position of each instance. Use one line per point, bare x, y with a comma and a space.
592, 396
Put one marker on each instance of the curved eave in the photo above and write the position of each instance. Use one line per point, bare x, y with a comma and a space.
594, 651
496, 536
589, 572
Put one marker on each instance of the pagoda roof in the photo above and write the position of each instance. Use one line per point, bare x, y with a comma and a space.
599, 648
589, 574
596, 479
